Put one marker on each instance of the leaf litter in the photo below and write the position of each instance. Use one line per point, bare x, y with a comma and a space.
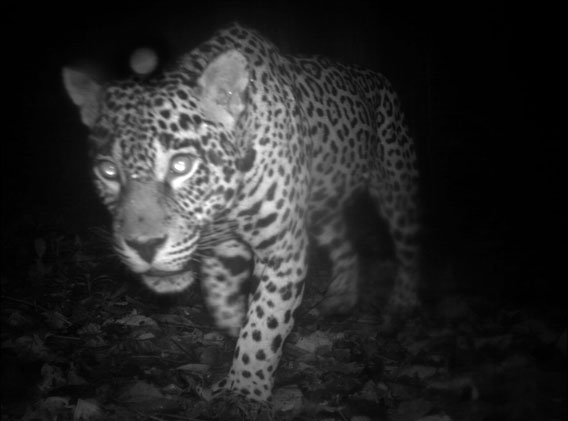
82, 341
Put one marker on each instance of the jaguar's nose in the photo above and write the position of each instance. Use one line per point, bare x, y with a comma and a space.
147, 248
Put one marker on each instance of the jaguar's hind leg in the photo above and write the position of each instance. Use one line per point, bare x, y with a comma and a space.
341, 295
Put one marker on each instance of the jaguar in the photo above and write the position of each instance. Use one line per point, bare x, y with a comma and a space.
225, 165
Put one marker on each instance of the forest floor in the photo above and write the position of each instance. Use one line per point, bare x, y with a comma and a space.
81, 340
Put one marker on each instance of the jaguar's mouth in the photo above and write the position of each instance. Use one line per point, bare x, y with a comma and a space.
163, 273
164, 282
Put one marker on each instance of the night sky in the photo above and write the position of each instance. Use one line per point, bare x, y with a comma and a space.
479, 86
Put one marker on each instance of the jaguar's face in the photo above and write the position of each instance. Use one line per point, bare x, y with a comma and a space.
165, 173
165, 160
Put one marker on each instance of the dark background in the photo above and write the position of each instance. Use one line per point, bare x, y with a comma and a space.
479, 84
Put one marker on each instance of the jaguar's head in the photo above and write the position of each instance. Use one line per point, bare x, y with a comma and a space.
166, 161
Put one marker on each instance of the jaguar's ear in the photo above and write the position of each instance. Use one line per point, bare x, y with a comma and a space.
222, 87
84, 92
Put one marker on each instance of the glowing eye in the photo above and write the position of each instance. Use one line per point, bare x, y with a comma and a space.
108, 170
181, 164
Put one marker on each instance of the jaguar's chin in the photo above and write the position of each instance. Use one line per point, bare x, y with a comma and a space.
168, 282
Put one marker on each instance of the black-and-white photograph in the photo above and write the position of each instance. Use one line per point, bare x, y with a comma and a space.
282, 210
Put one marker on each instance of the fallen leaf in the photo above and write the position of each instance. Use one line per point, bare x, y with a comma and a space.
73, 378
144, 336
86, 409
56, 320
195, 368
52, 377
287, 399
136, 320
314, 341
213, 337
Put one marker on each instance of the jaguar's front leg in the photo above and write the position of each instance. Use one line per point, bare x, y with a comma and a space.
269, 320
225, 270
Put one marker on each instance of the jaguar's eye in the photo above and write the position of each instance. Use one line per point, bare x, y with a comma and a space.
181, 164
108, 169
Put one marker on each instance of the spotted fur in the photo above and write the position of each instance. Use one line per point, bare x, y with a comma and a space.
229, 162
